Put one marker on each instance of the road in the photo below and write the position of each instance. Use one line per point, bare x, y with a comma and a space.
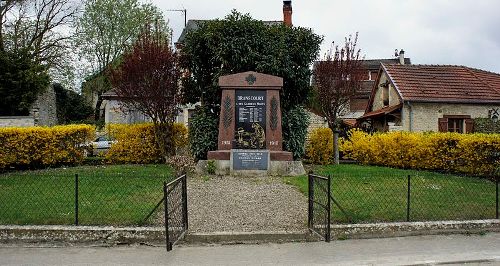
430, 250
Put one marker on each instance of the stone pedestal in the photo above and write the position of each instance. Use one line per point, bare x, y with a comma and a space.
250, 119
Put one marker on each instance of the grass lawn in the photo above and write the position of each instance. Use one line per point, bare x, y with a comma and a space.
108, 195
375, 194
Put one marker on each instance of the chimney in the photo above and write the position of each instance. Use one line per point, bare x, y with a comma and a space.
287, 13
402, 57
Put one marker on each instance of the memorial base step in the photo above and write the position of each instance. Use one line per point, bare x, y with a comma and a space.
226, 155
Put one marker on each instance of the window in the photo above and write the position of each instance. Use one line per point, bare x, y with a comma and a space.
456, 125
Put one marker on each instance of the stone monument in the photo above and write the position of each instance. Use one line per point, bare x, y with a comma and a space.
250, 135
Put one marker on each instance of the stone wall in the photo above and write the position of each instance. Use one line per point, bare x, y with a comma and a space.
44, 109
315, 121
43, 112
426, 115
16, 121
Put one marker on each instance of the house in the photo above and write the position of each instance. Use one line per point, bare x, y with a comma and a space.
359, 102
194, 24
440, 98
115, 113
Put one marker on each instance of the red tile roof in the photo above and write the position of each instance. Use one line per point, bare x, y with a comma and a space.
442, 83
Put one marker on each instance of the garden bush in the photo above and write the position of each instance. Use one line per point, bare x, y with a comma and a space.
295, 123
203, 132
319, 148
474, 154
486, 125
136, 143
36, 147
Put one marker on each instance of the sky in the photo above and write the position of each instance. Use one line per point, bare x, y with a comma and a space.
451, 32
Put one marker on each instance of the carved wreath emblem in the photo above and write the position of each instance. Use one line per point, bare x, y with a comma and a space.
250, 79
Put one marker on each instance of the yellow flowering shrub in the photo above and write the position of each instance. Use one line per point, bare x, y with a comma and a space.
136, 143
319, 148
466, 153
43, 146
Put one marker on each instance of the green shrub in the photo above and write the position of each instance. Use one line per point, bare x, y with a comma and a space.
203, 132
295, 123
211, 167
319, 149
486, 125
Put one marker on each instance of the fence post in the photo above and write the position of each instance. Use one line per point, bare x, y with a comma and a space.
408, 200
311, 197
76, 199
184, 202
497, 197
167, 240
328, 229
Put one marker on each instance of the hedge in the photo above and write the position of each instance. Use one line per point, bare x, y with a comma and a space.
37, 147
474, 154
136, 143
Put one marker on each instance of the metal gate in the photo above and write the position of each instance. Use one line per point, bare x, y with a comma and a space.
319, 206
176, 217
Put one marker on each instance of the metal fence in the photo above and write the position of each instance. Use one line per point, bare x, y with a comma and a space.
319, 219
176, 216
113, 198
419, 196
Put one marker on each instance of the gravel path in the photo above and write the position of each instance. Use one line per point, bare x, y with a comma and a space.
245, 204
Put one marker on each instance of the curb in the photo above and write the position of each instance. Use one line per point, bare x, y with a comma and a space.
400, 229
109, 235
95, 235
248, 237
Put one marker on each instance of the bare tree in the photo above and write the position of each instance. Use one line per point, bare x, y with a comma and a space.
337, 78
5, 7
147, 81
40, 26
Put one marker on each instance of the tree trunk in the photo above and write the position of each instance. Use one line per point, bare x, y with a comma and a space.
333, 126
164, 139
336, 146
97, 113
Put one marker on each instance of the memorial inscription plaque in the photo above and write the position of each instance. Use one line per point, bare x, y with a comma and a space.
250, 159
250, 114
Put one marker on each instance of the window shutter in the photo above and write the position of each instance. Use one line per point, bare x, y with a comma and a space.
443, 124
469, 125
